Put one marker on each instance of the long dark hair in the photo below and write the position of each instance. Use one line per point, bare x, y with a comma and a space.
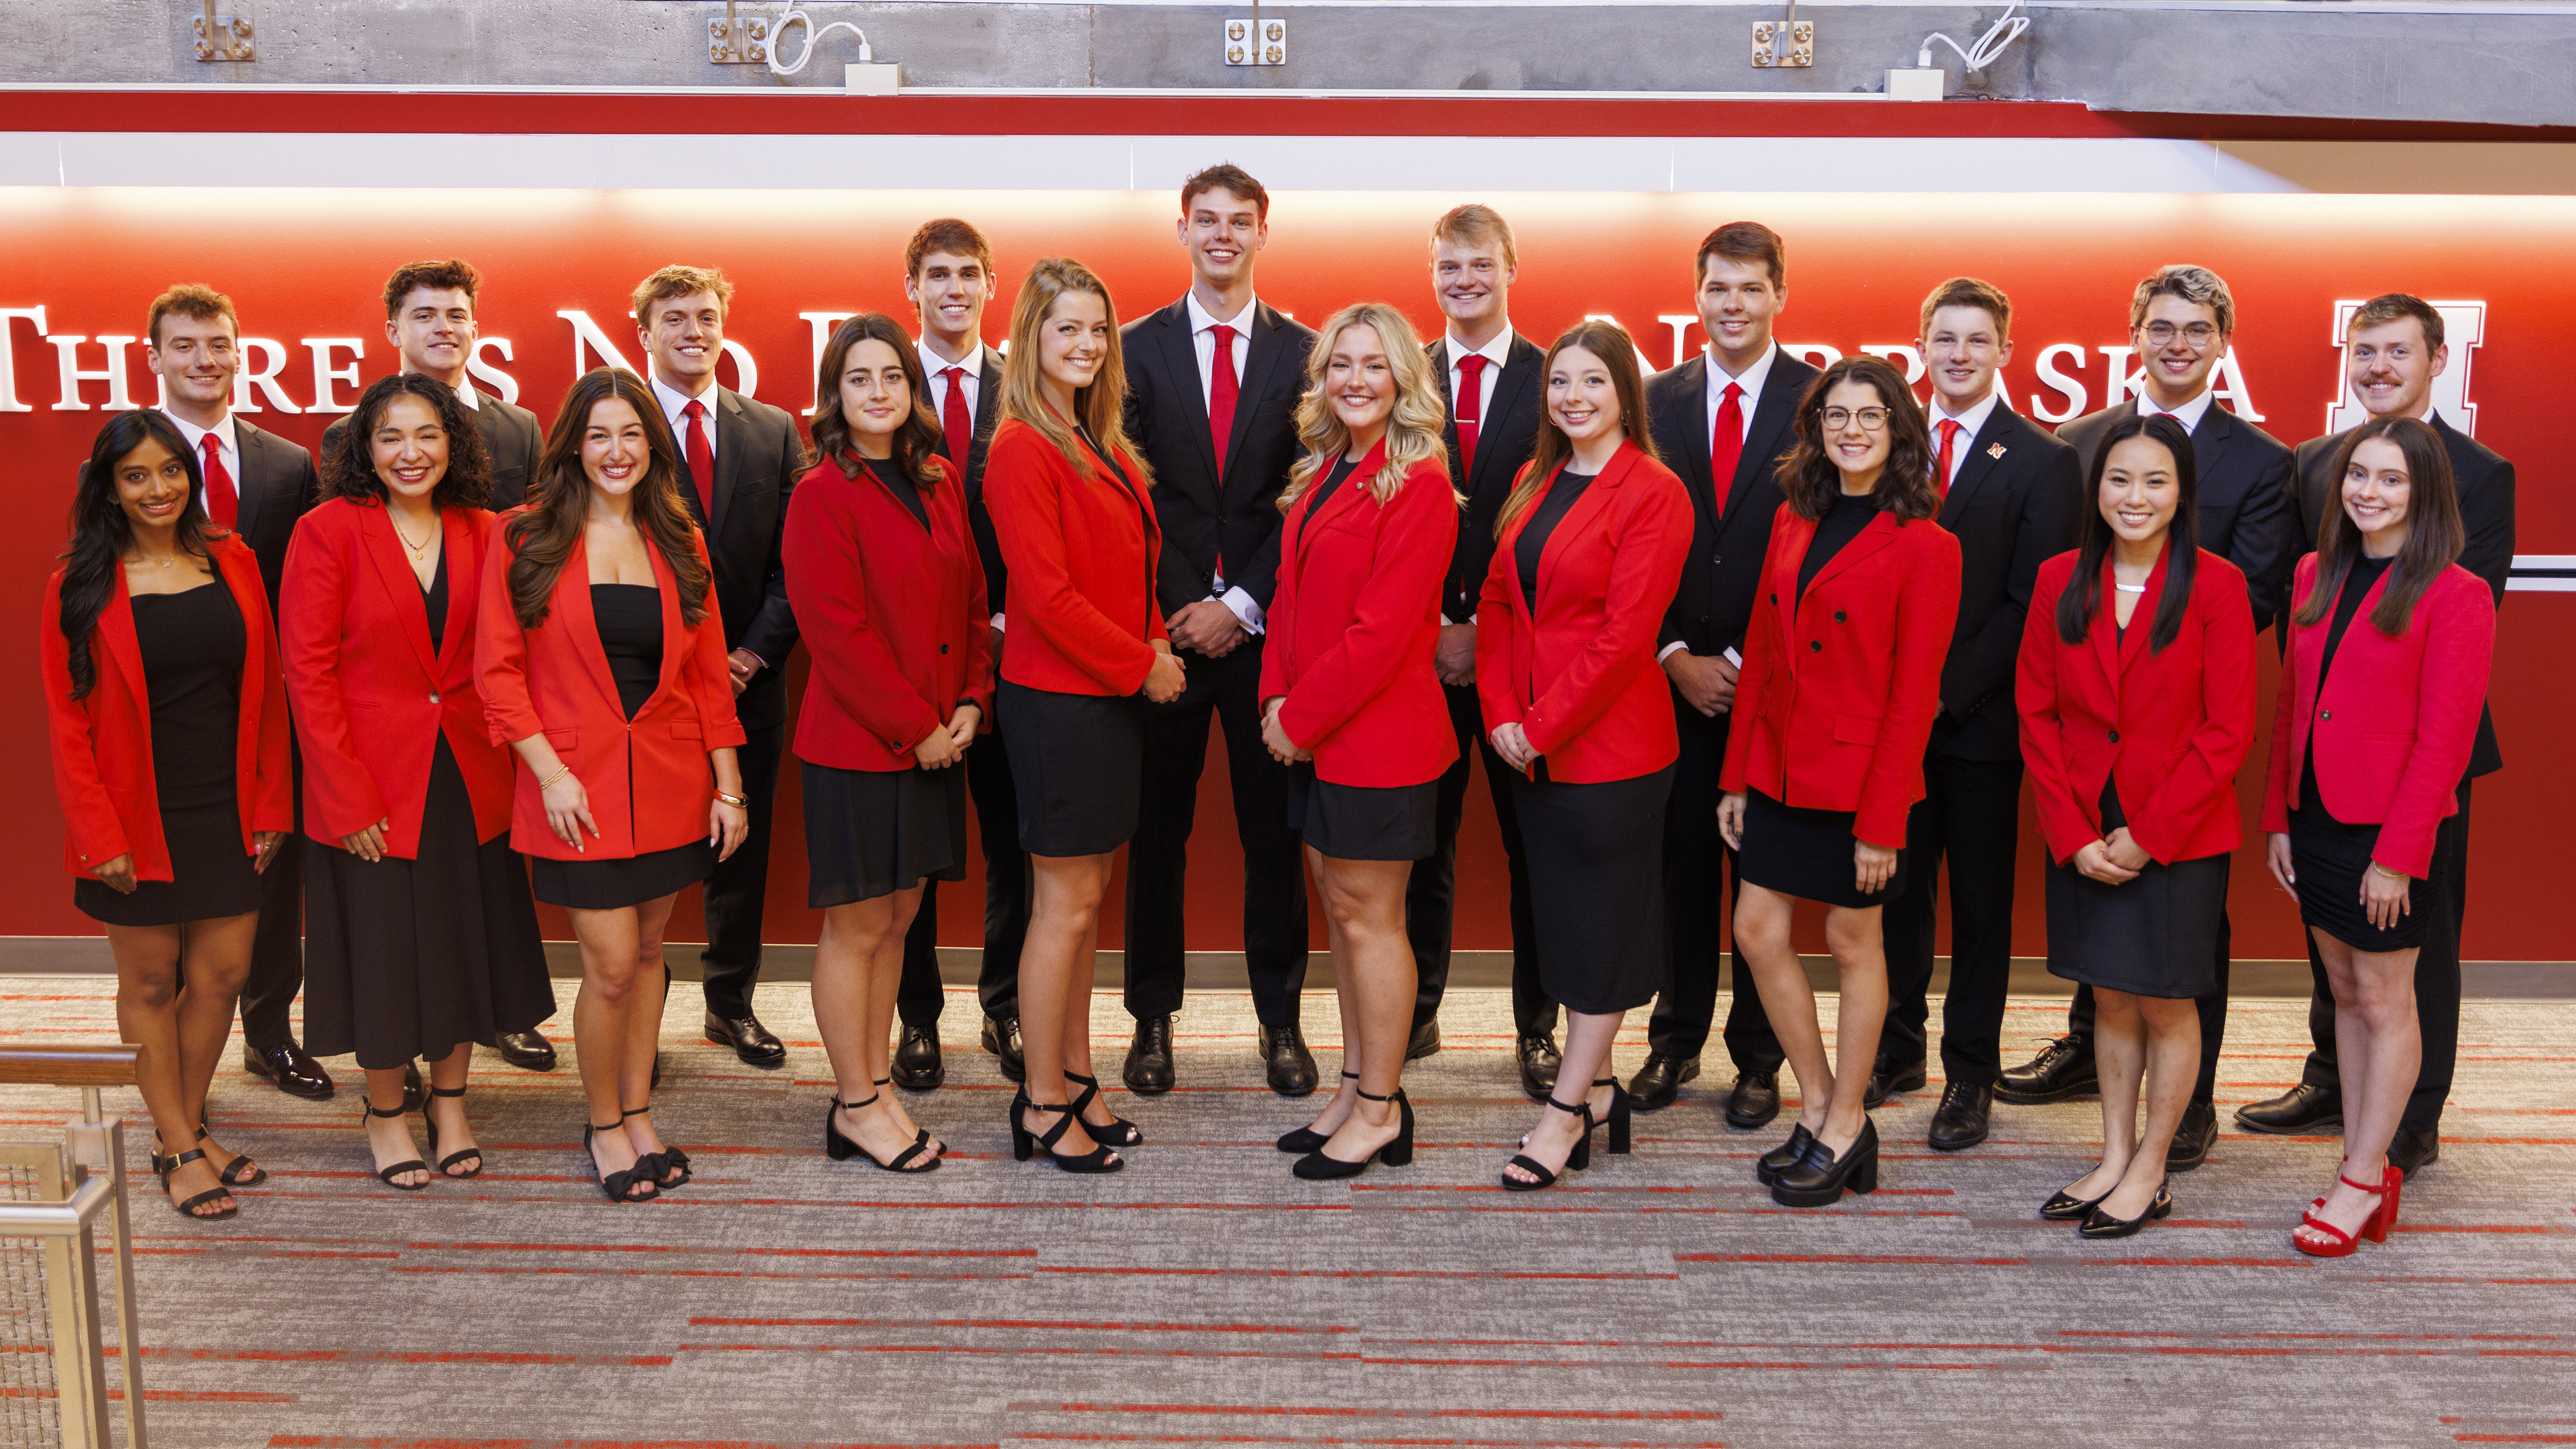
1808, 476
919, 437
2083, 596
542, 536
1611, 343
100, 531
349, 470
2434, 534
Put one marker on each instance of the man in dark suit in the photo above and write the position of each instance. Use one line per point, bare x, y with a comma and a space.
740, 461
2011, 494
1488, 377
258, 485
1212, 388
2180, 322
1720, 420
2393, 351
948, 277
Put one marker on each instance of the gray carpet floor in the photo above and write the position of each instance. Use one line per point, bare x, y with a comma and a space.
1204, 1297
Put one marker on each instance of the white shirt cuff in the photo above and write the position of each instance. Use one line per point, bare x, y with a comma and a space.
997, 621
1669, 650
1244, 607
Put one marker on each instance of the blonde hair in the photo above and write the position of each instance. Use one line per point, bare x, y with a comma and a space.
1414, 430
1476, 225
677, 280
1101, 406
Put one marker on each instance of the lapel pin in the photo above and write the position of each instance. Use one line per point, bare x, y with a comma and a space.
1996, 451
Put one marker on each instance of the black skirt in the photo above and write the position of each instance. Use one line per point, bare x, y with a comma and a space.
2330, 858
1078, 762
1364, 822
1596, 871
2156, 935
211, 875
608, 885
1807, 854
870, 833
404, 959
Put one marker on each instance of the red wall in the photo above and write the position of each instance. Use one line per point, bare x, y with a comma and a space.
308, 264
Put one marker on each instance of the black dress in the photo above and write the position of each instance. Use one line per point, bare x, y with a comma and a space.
192, 644
403, 959
1793, 849
2331, 856
629, 617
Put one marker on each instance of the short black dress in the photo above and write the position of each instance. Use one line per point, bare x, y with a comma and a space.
1359, 822
2156, 935
403, 959
1796, 850
2329, 855
192, 644
630, 634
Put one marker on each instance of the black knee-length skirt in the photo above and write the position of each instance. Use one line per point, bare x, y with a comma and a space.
1364, 822
2156, 935
871, 833
2330, 857
212, 877
1078, 762
1596, 870
1808, 854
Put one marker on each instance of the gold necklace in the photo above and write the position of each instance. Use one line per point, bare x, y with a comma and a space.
420, 549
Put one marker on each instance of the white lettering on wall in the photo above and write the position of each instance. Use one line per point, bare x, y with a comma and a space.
746, 373
2054, 378
1645, 364
1815, 353
263, 358
821, 325
9, 358
1681, 323
504, 386
73, 374
1905, 355
2464, 327
587, 336
325, 399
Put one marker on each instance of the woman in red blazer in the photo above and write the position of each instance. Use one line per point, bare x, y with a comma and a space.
2389, 648
169, 732
885, 583
1591, 544
1350, 701
1085, 649
2136, 691
1841, 680
602, 664
420, 935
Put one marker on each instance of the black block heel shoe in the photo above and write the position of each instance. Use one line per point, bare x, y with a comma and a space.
1617, 1117
1119, 1132
1319, 1166
916, 1157
1307, 1139
447, 1164
1783, 1157
386, 1173
1575, 1161
1026, 1144
1820, 1178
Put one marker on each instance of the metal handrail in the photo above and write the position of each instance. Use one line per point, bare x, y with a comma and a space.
96, 1146
67, 1219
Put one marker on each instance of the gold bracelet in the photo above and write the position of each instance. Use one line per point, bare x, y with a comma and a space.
548, 782
2391, 874
736, 801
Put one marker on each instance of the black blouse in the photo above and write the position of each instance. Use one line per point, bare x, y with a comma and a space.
900, 484
629, 617
1851, 514
1551, 511
1324, 492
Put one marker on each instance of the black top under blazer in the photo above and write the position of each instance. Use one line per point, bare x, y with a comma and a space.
759, 457
1724, 568
2015, 504
513, 440
1505, 438
2244, 516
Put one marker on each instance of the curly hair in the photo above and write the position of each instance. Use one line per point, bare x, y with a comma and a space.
349, 465
1414, 430
1808, 476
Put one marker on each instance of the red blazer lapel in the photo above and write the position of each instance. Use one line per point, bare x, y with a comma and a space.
114, 637
1791, 537
464, 581
1352, 490
675, 634
572, 610
401, 585
2142, 619
1879, 534
1579, 517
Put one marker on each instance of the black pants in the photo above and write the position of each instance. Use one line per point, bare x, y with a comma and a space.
739, 888
1697, 867
277, 949
1274, 868
1006, 901
1431, 896
2213, 1022
1971, 815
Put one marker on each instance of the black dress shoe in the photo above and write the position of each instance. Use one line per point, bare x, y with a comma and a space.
2302, 1111
1425, 1043
1292, 1067
2192, 1138
1886, 1079
1149, 1057
1754, 1101
1659, 1080
1962, 1119
526, 1050
295, 1074
916, 1066
2063, 1068
2411, 1149
1002, 1039
1539, 1059
749, 1039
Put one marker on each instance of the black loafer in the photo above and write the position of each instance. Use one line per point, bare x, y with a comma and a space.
916, 1066
1002, 1039
295, 1074
749, 1039
1291, 1066
1962, 1119
1149, 1057
2302, 1111
1425, 1043
1660, 1080
1754, 1101
526, 1050
2063, 1068
2411, 1149
1886, 1079
1539, 1060
2192, 1138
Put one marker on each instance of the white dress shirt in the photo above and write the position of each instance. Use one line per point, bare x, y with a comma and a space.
1203, 342
2189, 414
227, 445
465, 395
1751, 383
1496, 353
970, 377
673, 401
1971, 422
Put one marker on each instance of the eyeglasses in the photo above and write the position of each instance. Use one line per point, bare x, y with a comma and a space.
1871, 420
2162, 334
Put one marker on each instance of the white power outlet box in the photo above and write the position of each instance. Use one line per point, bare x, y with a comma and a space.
882, 79
1910, 83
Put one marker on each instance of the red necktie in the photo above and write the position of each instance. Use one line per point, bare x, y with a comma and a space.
1221, 391
954, 419
223, 500
1470, 409
1726, 445
702, 461
1950, 431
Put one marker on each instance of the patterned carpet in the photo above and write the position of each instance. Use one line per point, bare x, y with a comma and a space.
1205, 1297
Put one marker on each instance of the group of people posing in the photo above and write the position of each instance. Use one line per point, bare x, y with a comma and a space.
1746, 618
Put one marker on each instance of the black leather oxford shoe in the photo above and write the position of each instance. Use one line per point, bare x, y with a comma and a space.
1291, 1066
2411, 1149
2302, 1111
1660, 1080
916, 1066
1149, 1057
749, 1039
2192, 1138
1887, 1078
1962, 1119
2063, 1068
1754, 1100
526, 1050
1002, 1039
295, 1074
1539, 1060
1425, 1042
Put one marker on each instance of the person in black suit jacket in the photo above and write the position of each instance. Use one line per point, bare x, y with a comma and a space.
2393, 350
2180, 322
1725, 412
192, 342
948, 277
1217, 499
2012, 495
755, 455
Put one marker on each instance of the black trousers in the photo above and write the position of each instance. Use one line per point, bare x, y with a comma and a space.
739, 889
1006, 901
1275, 938
2213, 1022
1970, 815
1697, 868
277, 948
1431, 896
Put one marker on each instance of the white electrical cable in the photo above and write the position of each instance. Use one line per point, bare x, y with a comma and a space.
814, 37
2006, 29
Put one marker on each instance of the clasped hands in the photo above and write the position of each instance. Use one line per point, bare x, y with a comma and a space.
2115, 859
1275, 738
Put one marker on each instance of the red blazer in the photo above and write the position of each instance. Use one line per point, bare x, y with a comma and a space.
1835, 703
102, 745
2173, 725
894, 612
1079, 613
554, 680
371, 700
1579, 675
1354, 622
2393, 728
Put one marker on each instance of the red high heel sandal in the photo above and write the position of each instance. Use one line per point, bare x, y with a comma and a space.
2373, 1228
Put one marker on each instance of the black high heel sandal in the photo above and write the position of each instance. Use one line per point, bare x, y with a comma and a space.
1320, 1166
1616, 1118
460, 1154
243, 1172
2098, 1224
162, 1167
1026, 1144
1820, 1178
669, 1159
387, 1173
1118, 1131
1783, 1157
916, 1157
621, 1184
920, 1134
1306, 1139
1575, 1161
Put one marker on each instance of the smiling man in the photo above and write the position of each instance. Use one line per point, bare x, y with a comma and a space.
430, 320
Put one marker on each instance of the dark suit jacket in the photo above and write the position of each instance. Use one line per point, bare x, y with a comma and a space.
1505, 437
988, 416
1211, 523
2485, 483
2245, 515
2011, 512
1715, 601
759, 457
512, 438
278, 486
